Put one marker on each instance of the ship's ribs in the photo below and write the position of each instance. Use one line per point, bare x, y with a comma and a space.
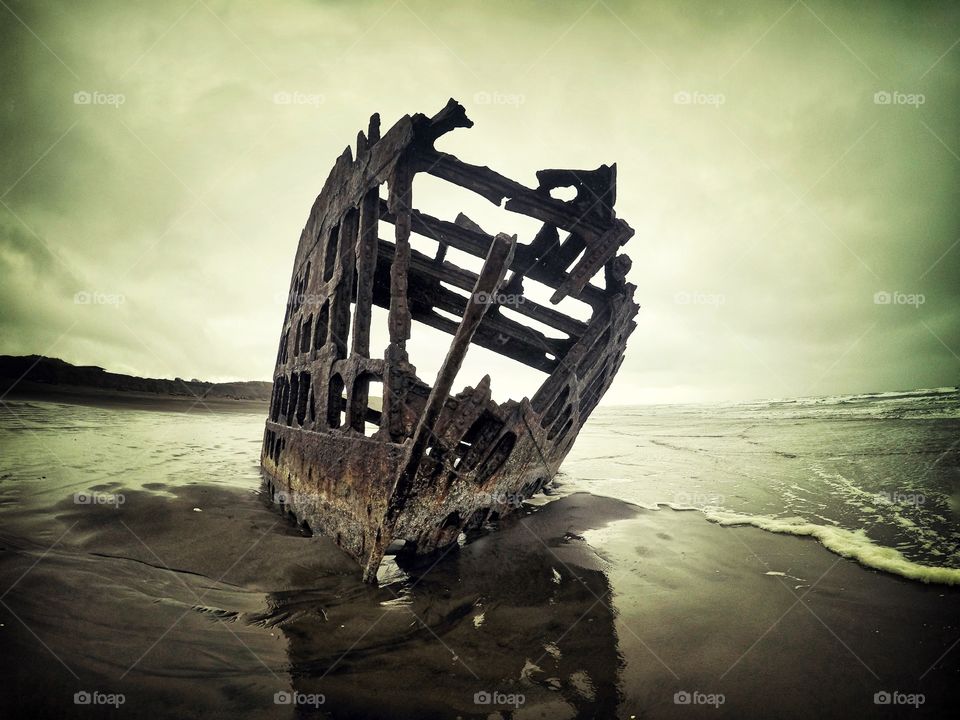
421, 465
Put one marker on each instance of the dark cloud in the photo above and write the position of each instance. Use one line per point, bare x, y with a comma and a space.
782, 163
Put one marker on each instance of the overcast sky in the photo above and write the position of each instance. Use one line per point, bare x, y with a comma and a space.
773, 190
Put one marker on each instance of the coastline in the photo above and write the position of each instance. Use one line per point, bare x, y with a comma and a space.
584, 606
131, 399
195, 597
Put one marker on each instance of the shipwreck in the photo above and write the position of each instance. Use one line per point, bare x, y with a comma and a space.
413, 462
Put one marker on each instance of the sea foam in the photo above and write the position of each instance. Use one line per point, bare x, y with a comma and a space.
853, 544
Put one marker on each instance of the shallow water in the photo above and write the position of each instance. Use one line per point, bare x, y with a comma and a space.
867, 472
140, 559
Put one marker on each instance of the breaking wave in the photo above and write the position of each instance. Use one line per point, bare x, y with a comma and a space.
853, 544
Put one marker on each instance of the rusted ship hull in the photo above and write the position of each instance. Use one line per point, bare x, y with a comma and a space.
428, 464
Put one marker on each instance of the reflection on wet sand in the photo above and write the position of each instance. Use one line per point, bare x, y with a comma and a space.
516, 621
206, 601
195, 597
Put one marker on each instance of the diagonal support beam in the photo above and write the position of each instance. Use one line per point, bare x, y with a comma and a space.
488, 283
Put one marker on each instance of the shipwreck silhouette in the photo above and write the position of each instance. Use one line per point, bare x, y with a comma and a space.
437, 464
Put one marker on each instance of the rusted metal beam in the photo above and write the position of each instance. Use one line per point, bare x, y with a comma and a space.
489, 280
536, 263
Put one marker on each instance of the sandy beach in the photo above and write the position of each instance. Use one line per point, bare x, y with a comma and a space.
191, 596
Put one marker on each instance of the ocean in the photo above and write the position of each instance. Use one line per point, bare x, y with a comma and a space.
873, 477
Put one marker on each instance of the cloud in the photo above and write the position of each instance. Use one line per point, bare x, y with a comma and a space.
754, 161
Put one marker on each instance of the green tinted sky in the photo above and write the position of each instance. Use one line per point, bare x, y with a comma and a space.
773, 192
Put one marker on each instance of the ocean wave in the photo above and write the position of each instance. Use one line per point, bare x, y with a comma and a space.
853, 544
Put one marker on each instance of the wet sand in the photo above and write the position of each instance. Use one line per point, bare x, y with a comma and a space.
171, 581
198, 600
